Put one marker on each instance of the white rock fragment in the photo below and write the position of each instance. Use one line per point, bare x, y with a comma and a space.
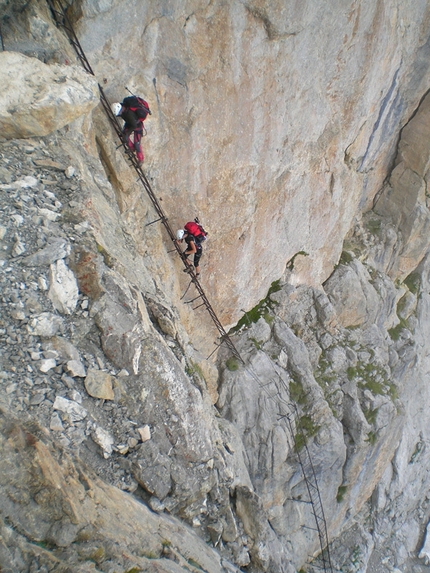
75, 396
82, 227
103, 439
18, 314
425, 549
28, 181
51, 354
132, 443
145, 433
18, 220
63, 291
47, 364
75, 368
69, 172
42, 283
18, 248
48, 214
75, 410
3, 231
56, 425
49, 194
45, 325
56, 248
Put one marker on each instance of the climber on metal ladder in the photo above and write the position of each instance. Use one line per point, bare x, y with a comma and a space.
133, 110
193, 234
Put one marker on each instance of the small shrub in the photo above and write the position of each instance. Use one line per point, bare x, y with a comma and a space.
297, 393
370, 415
306, 429
340, 493
268, 318
299, 442
148, 555
307, 424
392, 391
401, 305
99, 555
262, 309
108, 260
371, 438
256, 343
232, 364
351, 372
395, 332
375, 387
290, 264
374, 226
194, 368
345, 258
413, 282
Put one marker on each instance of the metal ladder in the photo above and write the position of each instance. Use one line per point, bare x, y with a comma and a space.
61, 19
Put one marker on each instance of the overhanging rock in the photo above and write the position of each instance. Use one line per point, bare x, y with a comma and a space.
37, 99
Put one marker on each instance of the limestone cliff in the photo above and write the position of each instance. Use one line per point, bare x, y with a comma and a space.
299, 134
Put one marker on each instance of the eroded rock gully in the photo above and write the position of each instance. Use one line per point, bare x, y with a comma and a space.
123, 448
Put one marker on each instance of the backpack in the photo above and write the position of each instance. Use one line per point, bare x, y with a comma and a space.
196, 230
138, 105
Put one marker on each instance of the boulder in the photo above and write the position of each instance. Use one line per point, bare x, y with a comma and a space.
45, 325
37, 99
352, 295
63, 291
70, 407
57, 248
99, 384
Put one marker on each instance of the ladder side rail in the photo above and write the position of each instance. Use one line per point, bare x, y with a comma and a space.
65, 23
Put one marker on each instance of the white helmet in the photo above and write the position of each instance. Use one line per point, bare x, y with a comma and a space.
116, 108
180, 234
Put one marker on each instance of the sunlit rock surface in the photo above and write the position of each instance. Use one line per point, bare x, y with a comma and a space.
37, 99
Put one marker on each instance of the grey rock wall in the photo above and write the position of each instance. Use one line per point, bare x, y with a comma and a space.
274, 122
100, 351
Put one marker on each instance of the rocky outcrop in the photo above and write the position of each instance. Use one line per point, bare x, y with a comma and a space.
56, 514
37, 99
94, 364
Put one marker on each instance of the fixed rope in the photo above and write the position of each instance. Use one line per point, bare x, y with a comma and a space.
289, 411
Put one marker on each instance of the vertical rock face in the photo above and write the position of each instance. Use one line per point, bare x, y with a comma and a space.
278, 130
274, 123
